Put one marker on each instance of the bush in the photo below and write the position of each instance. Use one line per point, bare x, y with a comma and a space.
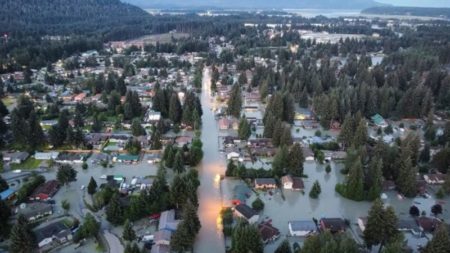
315, 190
328, 169
84, 166
258, 204
414, 211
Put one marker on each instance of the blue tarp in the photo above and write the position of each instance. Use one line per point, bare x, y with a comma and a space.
7, 193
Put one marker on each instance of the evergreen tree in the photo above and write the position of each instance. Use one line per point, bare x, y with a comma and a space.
376, 178
92, 186
286, 137
258, 204
36, 137
284, 247
355, 182
440, 242
175, 110
136, 127
315, 190
235, 102
280, 161
406, 181
347, 131
360, 134
97, 124
21, 237
66, 174
381, 225
114, 211
156, 140
5, 213
128, 232
246, 238
178, 164
244, 130
296, 160
3, 184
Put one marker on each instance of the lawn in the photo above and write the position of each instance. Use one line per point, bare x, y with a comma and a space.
29, 164
8, 101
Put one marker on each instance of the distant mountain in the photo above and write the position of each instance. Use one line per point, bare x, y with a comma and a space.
67, 17
257, 4
410, 11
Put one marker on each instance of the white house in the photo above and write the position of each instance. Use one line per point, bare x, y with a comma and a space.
233, 156
287, 182
46, 155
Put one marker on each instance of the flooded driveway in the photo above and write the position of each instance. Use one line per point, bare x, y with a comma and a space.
210, 239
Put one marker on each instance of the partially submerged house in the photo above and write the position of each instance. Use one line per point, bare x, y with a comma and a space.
334, 225
302, 228
265, 183
246, 212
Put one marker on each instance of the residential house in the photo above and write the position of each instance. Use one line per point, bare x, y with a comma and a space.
308, 154
152, 117
129, 159
233, 156
434, 179
302, 228
15, 157
7, 194
379, 121
265, 183
408, 225
70, 158
162, 237
428, 224
180, 141
99, 158
35, 210
292, 183
228, 123
160, 248
303, 114
45, 191
46, 155
334, 225
56, 232
154, 158
268, 232
246, 212
260, 142
167, 221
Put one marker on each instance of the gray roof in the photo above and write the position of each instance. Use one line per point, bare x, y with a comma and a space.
263, 181
245, 211
34, 209
304, 225
57, 229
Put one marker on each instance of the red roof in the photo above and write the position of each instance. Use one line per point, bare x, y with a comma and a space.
45, 190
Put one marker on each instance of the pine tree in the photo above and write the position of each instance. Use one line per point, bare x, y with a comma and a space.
244, 130
175, 110
21, 237
376, 178
128, 232
178, 164
114, 211
315, 190
92, 186
280, 161
440, 242
36, 137
246, 238
360, 134
284, 247
347, 131
286, 136
381, 225
136, 127
406, 181
355, 182
235, 102
5, 213
296, 160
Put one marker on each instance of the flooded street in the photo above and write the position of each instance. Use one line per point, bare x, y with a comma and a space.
210, 238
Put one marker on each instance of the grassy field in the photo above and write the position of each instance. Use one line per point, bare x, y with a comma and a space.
29, 164
8, 101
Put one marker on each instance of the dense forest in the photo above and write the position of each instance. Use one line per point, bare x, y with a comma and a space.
414, 11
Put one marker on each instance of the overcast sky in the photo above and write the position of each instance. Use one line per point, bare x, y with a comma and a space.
420, 3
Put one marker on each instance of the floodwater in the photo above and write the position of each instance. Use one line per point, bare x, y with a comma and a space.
210, 239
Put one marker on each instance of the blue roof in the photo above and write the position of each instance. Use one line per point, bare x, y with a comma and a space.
7, 193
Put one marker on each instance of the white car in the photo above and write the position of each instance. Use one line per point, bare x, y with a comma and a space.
82, 187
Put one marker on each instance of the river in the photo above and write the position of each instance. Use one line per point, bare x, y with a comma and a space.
210, 239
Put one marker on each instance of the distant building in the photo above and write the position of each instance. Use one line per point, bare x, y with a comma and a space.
265, 183
379, 121
15, 157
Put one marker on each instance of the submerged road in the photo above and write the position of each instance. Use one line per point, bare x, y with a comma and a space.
210, 238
